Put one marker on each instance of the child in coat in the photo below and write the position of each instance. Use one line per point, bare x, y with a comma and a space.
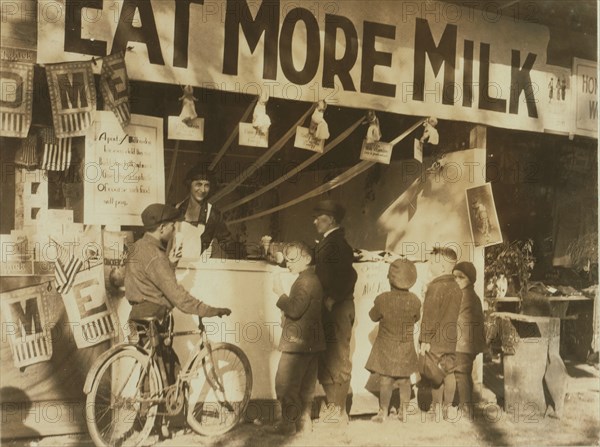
393, 355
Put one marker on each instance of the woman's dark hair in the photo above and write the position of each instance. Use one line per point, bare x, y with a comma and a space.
200, 172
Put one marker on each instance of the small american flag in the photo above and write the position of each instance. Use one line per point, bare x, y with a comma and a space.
57, 151
66, 268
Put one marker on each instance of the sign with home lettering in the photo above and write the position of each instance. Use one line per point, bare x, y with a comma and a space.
414, 58
124, 169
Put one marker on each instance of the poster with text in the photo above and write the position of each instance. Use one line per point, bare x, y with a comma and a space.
124, 169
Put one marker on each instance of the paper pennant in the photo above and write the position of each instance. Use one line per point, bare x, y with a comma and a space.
16, 99
25, 316
72, 96
114, 84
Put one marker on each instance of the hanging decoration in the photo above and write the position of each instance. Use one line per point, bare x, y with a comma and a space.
430, 136
88, 309
26, 156
57, 151
290, 174
251, 170
25, 315
341, 179
114, 84
313, 138
430, 133
66, 267
72, 96
373, 149
373, 132
257, 133
260, 120
16, 99
187, 126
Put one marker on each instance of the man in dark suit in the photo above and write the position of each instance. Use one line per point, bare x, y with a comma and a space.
333, 260
197, 211
302, 338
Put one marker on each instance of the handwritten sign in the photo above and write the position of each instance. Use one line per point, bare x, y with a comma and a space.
418, 150
124, 169
305, 140
178, 130
377, 151
250, 136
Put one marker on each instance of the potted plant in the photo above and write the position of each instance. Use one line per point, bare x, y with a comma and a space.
509, 262
584, 253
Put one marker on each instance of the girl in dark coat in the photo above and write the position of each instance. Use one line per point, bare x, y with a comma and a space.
393, 355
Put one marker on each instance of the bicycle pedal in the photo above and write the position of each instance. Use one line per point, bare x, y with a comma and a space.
165, 433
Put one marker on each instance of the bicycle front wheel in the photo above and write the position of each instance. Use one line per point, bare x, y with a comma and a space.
118, 411
219, 394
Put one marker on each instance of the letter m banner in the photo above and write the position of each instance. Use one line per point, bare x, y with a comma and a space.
73, 97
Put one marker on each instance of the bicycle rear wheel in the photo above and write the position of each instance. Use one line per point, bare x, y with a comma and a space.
115, 413
219, 395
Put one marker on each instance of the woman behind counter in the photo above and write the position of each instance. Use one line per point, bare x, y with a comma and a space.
201, 221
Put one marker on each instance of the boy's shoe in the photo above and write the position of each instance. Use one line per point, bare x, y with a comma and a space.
379, 417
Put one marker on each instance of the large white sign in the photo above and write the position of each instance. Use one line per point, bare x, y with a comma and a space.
123, 170
586, 97
416, 58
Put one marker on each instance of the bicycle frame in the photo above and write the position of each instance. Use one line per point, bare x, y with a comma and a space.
201, 350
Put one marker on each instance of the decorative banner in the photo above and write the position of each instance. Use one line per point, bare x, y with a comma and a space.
35, 196
586, 97
124, 169
72, 96
251, 136
485, 227
57, 151
305, 140
16, 99
193, 130
377, 151
87, 308
114, 85
26, 156
25, 316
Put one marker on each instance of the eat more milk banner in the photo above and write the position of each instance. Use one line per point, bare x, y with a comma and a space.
408, 57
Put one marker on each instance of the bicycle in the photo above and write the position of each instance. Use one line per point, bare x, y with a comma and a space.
125, 391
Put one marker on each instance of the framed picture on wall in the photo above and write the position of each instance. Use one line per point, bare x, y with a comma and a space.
483, 219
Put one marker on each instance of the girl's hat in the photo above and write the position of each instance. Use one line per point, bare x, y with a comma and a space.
402, 274
468, 269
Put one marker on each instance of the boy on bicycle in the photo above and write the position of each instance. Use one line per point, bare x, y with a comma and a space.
151, 285
150, 282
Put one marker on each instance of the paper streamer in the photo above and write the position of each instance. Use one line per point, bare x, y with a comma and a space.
345, 177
